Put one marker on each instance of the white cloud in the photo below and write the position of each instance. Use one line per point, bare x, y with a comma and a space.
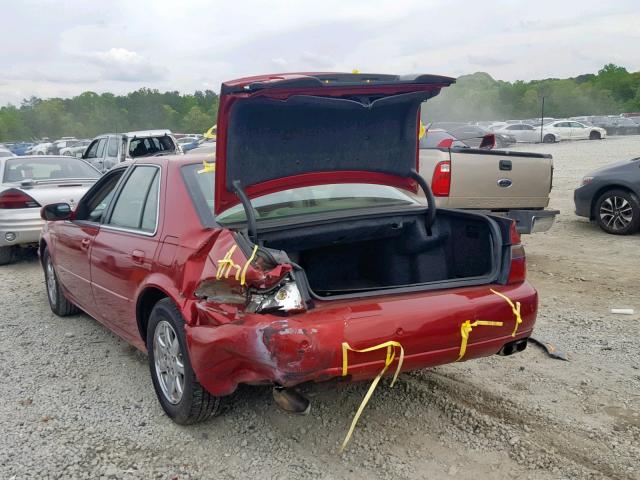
121, 45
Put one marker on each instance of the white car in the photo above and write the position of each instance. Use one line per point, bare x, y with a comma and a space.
5, 152
570, 130
523, 132
28, 183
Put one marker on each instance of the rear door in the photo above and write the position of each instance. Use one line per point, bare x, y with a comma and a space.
73, 240
495, 180
123, 251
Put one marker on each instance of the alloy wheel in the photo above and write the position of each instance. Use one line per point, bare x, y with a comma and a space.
52, 287
616, 212
169, 363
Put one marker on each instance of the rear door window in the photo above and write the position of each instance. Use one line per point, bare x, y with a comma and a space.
130, 208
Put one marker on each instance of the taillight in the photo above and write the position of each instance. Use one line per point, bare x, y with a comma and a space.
441, 181
518, 270
14, 198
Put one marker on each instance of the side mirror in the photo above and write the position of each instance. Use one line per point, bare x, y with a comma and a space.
488, 142
56, 211
79, 154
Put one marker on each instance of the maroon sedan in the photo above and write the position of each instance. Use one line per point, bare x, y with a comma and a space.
303, 255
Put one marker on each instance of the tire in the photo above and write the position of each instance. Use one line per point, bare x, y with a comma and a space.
6, 255
57, 301
548, 138
594, 135
194, 404
618, 212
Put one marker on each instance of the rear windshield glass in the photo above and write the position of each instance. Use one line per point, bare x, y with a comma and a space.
319, 199
292, 202
18, 170
141, 147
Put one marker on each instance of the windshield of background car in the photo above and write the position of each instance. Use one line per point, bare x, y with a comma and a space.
18, 170
431, 139
296, 201
140, 147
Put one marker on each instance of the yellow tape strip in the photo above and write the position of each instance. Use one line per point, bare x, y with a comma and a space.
243, 275
208, 167
391, 355
514, 308
226, 264
465, 330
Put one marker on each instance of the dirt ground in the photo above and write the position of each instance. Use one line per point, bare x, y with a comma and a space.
77, 402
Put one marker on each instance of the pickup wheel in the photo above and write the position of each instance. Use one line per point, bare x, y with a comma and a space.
6, 255
594, 135
181, 396
618, 212
57, 301
549, 138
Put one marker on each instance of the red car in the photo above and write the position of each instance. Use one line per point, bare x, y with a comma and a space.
303, 244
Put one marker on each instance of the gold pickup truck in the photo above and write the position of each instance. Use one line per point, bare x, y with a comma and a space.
512, 184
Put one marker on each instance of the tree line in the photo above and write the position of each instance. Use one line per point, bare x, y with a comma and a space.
612, 90
91, 114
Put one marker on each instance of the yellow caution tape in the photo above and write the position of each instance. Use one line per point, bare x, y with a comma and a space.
465, 330
246, 265
208, 167
211, 133
514, 308
227, 264
423, 130
467, 326
391, 355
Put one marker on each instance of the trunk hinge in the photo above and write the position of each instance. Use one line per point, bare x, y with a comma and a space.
249, 211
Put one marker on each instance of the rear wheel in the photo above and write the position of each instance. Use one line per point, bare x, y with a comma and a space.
549, 139
594, 135
6, 255
180, 394
618, 212
57, 301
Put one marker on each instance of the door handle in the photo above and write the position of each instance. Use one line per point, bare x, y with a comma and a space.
85, 243
137, 256
505, 165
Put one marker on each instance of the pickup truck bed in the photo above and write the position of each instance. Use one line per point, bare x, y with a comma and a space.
511, 184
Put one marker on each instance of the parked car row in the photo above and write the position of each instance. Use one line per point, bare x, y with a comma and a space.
318, 264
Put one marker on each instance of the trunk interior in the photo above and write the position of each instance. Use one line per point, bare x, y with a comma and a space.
360, 255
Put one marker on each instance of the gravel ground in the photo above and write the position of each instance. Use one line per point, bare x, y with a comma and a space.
77, 402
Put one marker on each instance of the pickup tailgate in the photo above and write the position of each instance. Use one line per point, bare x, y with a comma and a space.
494, 179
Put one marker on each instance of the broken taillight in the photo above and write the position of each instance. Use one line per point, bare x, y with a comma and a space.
518, 270
14, 198
441, 181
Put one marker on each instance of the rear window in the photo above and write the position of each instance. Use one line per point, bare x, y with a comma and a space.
143, 147
17, 170
200, 185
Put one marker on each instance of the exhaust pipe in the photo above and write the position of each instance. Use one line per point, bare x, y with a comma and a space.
513, 347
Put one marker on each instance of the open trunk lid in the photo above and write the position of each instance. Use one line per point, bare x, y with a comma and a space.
285, 131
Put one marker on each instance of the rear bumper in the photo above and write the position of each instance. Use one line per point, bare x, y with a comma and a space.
24, 223
307, 347
533, 221
530, 221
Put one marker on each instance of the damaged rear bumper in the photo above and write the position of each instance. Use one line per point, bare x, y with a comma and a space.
307, 347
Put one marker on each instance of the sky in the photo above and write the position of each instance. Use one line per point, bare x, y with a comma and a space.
65, 47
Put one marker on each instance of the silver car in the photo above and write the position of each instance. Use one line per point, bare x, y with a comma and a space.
29, 183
